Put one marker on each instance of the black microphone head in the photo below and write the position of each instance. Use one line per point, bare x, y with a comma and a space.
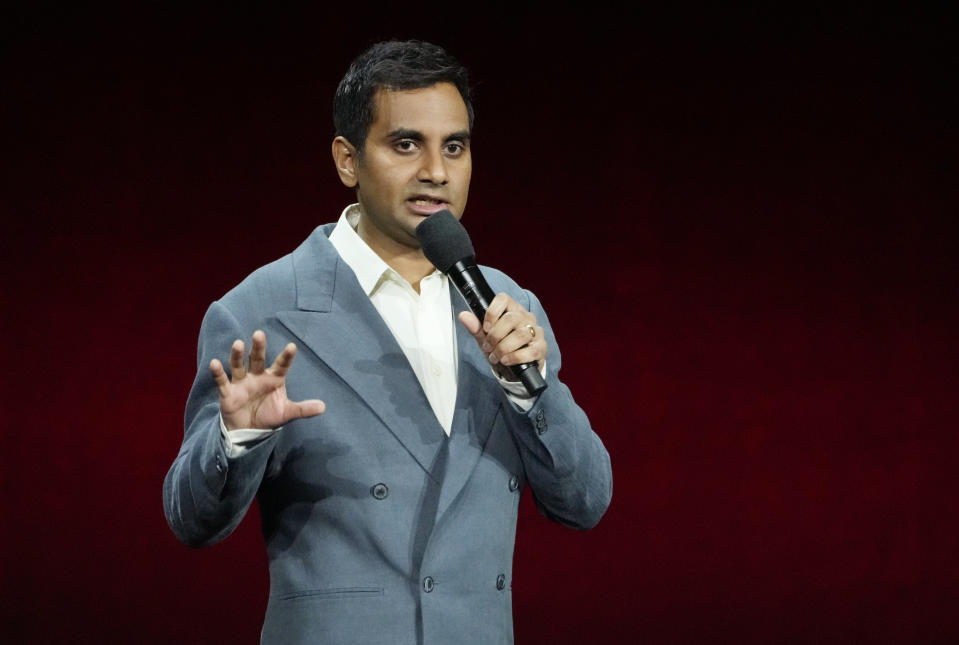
444, 240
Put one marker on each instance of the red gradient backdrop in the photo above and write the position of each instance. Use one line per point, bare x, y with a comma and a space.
742, 225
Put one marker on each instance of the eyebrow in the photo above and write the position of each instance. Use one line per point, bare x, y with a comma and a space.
416, 135
462, 135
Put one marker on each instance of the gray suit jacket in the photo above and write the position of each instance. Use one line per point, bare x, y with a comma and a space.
379, 528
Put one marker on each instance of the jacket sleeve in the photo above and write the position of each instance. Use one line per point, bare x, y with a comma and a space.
205, 493
567, 467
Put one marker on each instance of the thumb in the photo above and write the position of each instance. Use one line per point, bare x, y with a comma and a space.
308, 408
470, 321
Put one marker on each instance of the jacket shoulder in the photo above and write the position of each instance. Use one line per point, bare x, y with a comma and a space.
273, 286
499, 281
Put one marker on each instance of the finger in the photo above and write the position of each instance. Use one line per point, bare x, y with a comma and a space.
472, 323
283, 362
308, 408
473, 326
258, 353
499, 305
510, 322
534, 352
519, 336
236, 360
219, 375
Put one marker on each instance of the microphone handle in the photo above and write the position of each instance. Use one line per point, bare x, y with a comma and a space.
478, 295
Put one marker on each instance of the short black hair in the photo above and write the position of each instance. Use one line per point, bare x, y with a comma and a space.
392, 65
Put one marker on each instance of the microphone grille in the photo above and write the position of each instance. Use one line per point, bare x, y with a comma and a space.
444, 240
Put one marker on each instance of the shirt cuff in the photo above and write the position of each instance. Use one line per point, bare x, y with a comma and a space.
237, 443
516, 391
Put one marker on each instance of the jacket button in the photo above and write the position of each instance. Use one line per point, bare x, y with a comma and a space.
513, 483
380, 491
427, 584
540, 422
500, 582
219, 466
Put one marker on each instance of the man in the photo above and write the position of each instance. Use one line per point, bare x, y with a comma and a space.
389, 508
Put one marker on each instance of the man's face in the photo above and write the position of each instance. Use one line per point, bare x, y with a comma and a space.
416, 162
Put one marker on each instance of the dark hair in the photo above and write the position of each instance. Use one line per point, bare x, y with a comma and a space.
392, 65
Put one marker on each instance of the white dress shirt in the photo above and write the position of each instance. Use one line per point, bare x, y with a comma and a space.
422, 323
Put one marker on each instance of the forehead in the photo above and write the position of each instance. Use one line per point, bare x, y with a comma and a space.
436, 109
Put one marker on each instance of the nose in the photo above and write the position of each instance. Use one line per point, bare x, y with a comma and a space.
433, 168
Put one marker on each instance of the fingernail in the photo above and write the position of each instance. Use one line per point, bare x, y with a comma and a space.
486, 347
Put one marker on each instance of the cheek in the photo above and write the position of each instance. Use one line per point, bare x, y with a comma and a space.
395, 180
379, 187
384, 176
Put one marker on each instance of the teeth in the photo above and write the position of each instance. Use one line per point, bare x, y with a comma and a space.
426, 202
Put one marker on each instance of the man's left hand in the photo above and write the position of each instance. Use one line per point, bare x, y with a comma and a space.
508, 336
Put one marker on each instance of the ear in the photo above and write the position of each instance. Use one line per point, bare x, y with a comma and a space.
344, 157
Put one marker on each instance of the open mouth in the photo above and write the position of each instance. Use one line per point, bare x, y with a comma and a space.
423, 205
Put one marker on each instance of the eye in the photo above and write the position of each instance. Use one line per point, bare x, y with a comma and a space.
405, 145
454, 148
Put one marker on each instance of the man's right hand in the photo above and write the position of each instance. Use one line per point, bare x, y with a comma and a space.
256, 397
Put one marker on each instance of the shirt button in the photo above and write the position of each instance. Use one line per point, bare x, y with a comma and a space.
380, 491
437, 371
500, 582
427, 584
513, 483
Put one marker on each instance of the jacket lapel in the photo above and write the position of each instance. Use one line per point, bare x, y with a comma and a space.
478, 402
338, 323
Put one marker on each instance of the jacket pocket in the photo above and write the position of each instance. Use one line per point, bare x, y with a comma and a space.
332, 593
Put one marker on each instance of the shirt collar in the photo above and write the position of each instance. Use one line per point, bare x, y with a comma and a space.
370, 269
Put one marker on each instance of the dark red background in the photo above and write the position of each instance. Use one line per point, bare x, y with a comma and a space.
741, 224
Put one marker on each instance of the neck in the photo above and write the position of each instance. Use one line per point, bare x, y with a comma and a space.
407, 261
411, 268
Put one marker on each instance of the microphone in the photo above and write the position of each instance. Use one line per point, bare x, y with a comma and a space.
446, 244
